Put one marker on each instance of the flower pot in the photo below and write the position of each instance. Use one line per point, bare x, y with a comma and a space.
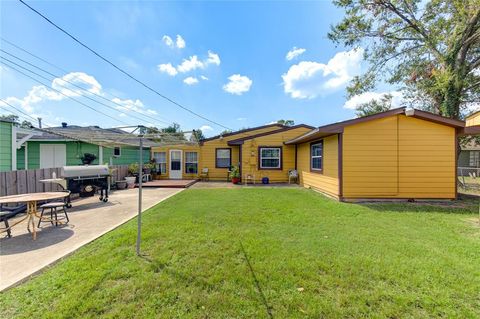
130, 181
121, 184
235, 180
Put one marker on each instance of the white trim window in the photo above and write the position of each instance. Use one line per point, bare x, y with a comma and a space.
316, 154
117, 151
191, 163
161, 160
270, 157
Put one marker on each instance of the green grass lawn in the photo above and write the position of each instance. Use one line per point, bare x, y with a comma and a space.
260, 253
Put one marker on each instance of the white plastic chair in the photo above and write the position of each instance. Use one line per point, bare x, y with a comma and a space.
292, 174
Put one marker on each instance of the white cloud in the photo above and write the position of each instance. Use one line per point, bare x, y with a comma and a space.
203, 77
190, 64
213, 58
206, 128
180, 42
168, 41
309, 79
190, 80
357, 100
294, 52
241, 118
238, 84
31, 103
79, 79
131, 105
167, 68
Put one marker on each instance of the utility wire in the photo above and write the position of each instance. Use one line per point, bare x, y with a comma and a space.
35, 56
86, 105
39, 75
20, 116
81, 88
18, 110
121, 70
65, 71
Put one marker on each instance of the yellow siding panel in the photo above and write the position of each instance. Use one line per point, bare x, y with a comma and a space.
209, 154
184, 148
427, 159
250, 155
473, 119
328, 180
370, 151
399, 157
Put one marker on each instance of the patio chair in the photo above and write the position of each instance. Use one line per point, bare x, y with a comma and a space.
7, 212
292, 174
204, 174
55, 207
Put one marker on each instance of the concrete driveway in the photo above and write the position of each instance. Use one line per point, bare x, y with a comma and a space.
20, 256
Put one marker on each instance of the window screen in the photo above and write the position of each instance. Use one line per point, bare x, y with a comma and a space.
223, 158
270, 157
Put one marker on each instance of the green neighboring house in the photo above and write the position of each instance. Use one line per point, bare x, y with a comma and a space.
5, 145
46, 150
11, 139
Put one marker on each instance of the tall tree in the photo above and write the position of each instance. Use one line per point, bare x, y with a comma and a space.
197, 135
431, 49
375, 106
286, 122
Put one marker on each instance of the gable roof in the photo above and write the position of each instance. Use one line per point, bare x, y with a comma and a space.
336, 128
242, 131
240, 141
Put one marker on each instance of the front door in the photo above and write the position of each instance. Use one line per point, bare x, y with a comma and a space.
53, 155
175, 164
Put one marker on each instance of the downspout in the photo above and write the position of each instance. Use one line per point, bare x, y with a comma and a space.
296, 152
240, 161
340, 166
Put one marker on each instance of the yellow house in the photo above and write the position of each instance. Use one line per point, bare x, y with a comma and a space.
398, 154
473, 119
219, 153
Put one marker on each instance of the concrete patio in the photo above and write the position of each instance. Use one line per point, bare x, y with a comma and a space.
21, 257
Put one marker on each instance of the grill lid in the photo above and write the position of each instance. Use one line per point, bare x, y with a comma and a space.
84, 171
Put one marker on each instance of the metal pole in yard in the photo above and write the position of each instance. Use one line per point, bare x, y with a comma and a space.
140, 178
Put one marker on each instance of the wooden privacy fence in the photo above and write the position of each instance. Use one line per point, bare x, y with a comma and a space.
28, 181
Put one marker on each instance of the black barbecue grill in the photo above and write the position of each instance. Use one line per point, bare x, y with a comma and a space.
84, 180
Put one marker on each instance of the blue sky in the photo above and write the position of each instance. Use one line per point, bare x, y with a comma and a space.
232, 67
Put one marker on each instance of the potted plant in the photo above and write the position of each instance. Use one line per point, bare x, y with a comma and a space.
88, 158
235, 174
148, 167
132, 175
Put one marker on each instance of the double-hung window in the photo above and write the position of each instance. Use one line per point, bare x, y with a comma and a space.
316, 156
161, 160
223, 158
191, 162
270, 157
